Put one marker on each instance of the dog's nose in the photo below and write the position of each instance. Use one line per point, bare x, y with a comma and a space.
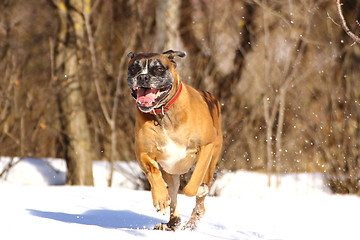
143, 78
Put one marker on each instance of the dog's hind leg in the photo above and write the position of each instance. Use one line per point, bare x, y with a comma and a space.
173, 183
196, 215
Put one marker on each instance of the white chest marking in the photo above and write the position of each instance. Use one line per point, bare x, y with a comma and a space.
173, 154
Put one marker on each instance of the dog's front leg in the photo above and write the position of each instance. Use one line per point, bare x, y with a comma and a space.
159, 191
173, 182
195, 186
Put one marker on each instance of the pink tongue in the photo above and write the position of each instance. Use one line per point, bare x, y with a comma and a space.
146, 95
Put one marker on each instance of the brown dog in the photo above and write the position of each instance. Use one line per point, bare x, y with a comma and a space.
176, 127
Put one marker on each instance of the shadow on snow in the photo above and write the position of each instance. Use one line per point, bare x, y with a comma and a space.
102, 218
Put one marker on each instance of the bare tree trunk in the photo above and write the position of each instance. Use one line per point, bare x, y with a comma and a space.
167, 22
279, 132
110, 116
79, 157
270, 115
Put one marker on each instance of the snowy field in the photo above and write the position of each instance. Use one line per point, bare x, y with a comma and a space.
35, 204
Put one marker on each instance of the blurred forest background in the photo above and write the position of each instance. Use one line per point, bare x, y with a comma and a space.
286, 73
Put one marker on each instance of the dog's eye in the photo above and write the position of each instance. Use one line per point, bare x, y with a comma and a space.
134, 69
159, 70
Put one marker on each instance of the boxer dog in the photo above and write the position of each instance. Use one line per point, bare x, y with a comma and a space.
176, 127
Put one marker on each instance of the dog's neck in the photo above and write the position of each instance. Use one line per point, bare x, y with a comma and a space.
164, 108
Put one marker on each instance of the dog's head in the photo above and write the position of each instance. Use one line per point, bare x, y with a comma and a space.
152, 78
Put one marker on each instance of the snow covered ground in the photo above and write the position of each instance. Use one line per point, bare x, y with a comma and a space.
35, 204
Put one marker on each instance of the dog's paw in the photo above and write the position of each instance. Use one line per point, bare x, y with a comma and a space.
161, 203
203, 190
162, 206
191, 225
163, 227
172, 225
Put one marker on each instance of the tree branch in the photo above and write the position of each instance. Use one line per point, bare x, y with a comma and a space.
8, 166
94, 65
344, 25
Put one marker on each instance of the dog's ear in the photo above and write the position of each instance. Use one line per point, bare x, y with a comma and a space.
171, 54
131, 55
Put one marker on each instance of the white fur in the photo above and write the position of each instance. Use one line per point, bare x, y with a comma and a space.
145, 70
173, 152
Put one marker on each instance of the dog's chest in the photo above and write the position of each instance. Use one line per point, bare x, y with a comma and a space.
174, 158
173, 152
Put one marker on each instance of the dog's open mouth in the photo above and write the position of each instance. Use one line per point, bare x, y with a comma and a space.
147, 98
